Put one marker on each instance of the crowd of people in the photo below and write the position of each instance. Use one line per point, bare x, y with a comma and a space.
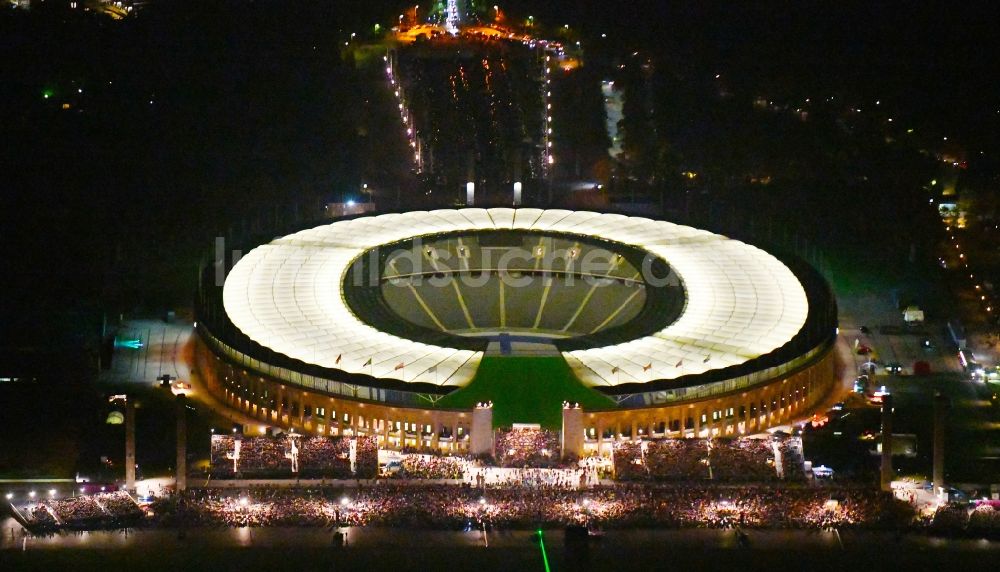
264, 456
533, 478
662, 460
118, 504
328, 457
221, 458
792, 460
290, 455
741, 459
82, 511
527, 447
447, 506
76, 509
366, 458
981, 520
985, 519
416, 466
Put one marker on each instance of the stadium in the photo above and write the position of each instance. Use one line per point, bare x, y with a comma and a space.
440, 330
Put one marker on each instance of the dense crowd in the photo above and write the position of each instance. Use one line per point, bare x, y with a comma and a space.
730, 460
83, 511
40, 515
443, 506
366, 458
221, 458
118, 504
792, 461
264, 456
742, 460
662, 460
292, 455
527, 447
430, 467
983, 520
325, 457
76, 509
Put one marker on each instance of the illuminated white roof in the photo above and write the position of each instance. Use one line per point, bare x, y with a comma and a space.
741, 301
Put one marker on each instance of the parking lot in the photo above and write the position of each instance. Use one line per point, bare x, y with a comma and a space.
891, 340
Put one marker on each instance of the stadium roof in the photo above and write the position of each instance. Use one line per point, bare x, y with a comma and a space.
741, 301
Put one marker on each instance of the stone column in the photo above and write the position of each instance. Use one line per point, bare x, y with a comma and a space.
436, 435
572, 431
481, 432
130, 444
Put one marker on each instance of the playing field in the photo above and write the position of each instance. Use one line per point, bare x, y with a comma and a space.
525, 390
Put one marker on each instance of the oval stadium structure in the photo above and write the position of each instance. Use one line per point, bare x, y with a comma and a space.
429, 328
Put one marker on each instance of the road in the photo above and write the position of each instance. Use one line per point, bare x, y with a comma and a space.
162, 352
891, 340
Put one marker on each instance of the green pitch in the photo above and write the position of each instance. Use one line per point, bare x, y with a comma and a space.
525, 390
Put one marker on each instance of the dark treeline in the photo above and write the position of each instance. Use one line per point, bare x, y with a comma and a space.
128, 145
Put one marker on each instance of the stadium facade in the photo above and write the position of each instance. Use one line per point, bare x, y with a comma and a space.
428, 329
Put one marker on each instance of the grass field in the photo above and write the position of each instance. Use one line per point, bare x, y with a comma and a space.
525, 390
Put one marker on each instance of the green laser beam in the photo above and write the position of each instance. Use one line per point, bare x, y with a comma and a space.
545, 557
